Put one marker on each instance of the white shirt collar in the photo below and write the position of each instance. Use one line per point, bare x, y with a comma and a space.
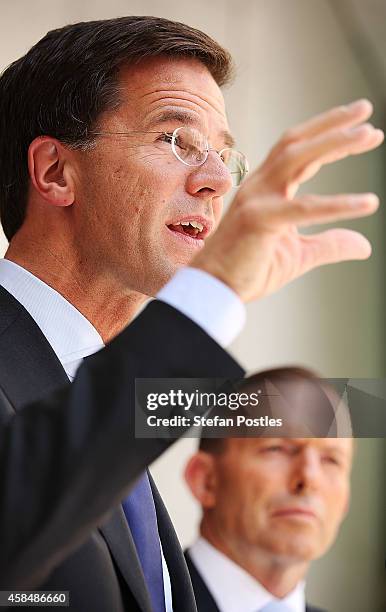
232, 588
74, 338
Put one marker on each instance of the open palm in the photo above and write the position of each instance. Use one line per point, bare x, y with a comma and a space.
257, 248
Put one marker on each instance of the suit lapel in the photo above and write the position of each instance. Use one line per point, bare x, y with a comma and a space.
121, 544
182, 590
27, 356
204, 599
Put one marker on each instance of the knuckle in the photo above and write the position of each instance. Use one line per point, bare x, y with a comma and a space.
289, 136
301, 207
339, 112
289, 153
312, 254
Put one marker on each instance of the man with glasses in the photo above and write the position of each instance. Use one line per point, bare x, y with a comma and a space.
116, 154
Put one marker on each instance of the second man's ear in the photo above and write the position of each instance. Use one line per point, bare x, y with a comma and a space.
50, 171
201, 478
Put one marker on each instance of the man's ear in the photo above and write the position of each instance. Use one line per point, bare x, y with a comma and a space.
200, 476
49, 171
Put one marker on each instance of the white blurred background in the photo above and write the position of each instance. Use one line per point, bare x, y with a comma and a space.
295, 58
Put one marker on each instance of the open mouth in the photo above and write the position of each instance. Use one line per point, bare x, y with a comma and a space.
194, 229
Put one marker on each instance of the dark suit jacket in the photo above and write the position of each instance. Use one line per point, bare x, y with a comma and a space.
204, 599
67, 462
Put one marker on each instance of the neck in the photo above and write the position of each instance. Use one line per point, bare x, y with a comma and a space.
100, 297
277, 574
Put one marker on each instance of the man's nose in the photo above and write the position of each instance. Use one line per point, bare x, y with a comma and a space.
212, 178
306, 472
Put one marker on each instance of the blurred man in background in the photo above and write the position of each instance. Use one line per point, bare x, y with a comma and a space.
270, 505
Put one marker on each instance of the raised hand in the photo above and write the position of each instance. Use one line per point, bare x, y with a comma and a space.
257, 248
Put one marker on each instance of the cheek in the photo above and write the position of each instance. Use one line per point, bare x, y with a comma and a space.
337, 505
134, 199
156, 187
130, 176
155, 169
246, 501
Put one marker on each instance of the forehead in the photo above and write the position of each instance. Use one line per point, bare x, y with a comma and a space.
156, 85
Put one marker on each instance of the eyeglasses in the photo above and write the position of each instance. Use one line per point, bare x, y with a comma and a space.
191, 148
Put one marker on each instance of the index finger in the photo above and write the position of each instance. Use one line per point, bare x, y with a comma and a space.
338, 117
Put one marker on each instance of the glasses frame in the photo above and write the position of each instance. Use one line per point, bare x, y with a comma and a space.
173, 136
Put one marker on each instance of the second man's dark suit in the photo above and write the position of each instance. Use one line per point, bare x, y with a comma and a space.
64, 463
204, 599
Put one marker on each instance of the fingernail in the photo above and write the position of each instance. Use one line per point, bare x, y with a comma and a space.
363, 102
365, 199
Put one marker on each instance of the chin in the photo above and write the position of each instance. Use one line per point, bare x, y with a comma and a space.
173, 265
155, 276
295, 548
159, 277
181, 259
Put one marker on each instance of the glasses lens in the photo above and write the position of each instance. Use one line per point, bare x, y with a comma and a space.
190, 146
236, 163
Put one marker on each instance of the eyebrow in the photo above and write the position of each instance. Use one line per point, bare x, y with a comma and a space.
188, 119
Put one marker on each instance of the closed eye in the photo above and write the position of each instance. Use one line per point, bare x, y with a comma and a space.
332, 460
178, 141
274, 448
166, 137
